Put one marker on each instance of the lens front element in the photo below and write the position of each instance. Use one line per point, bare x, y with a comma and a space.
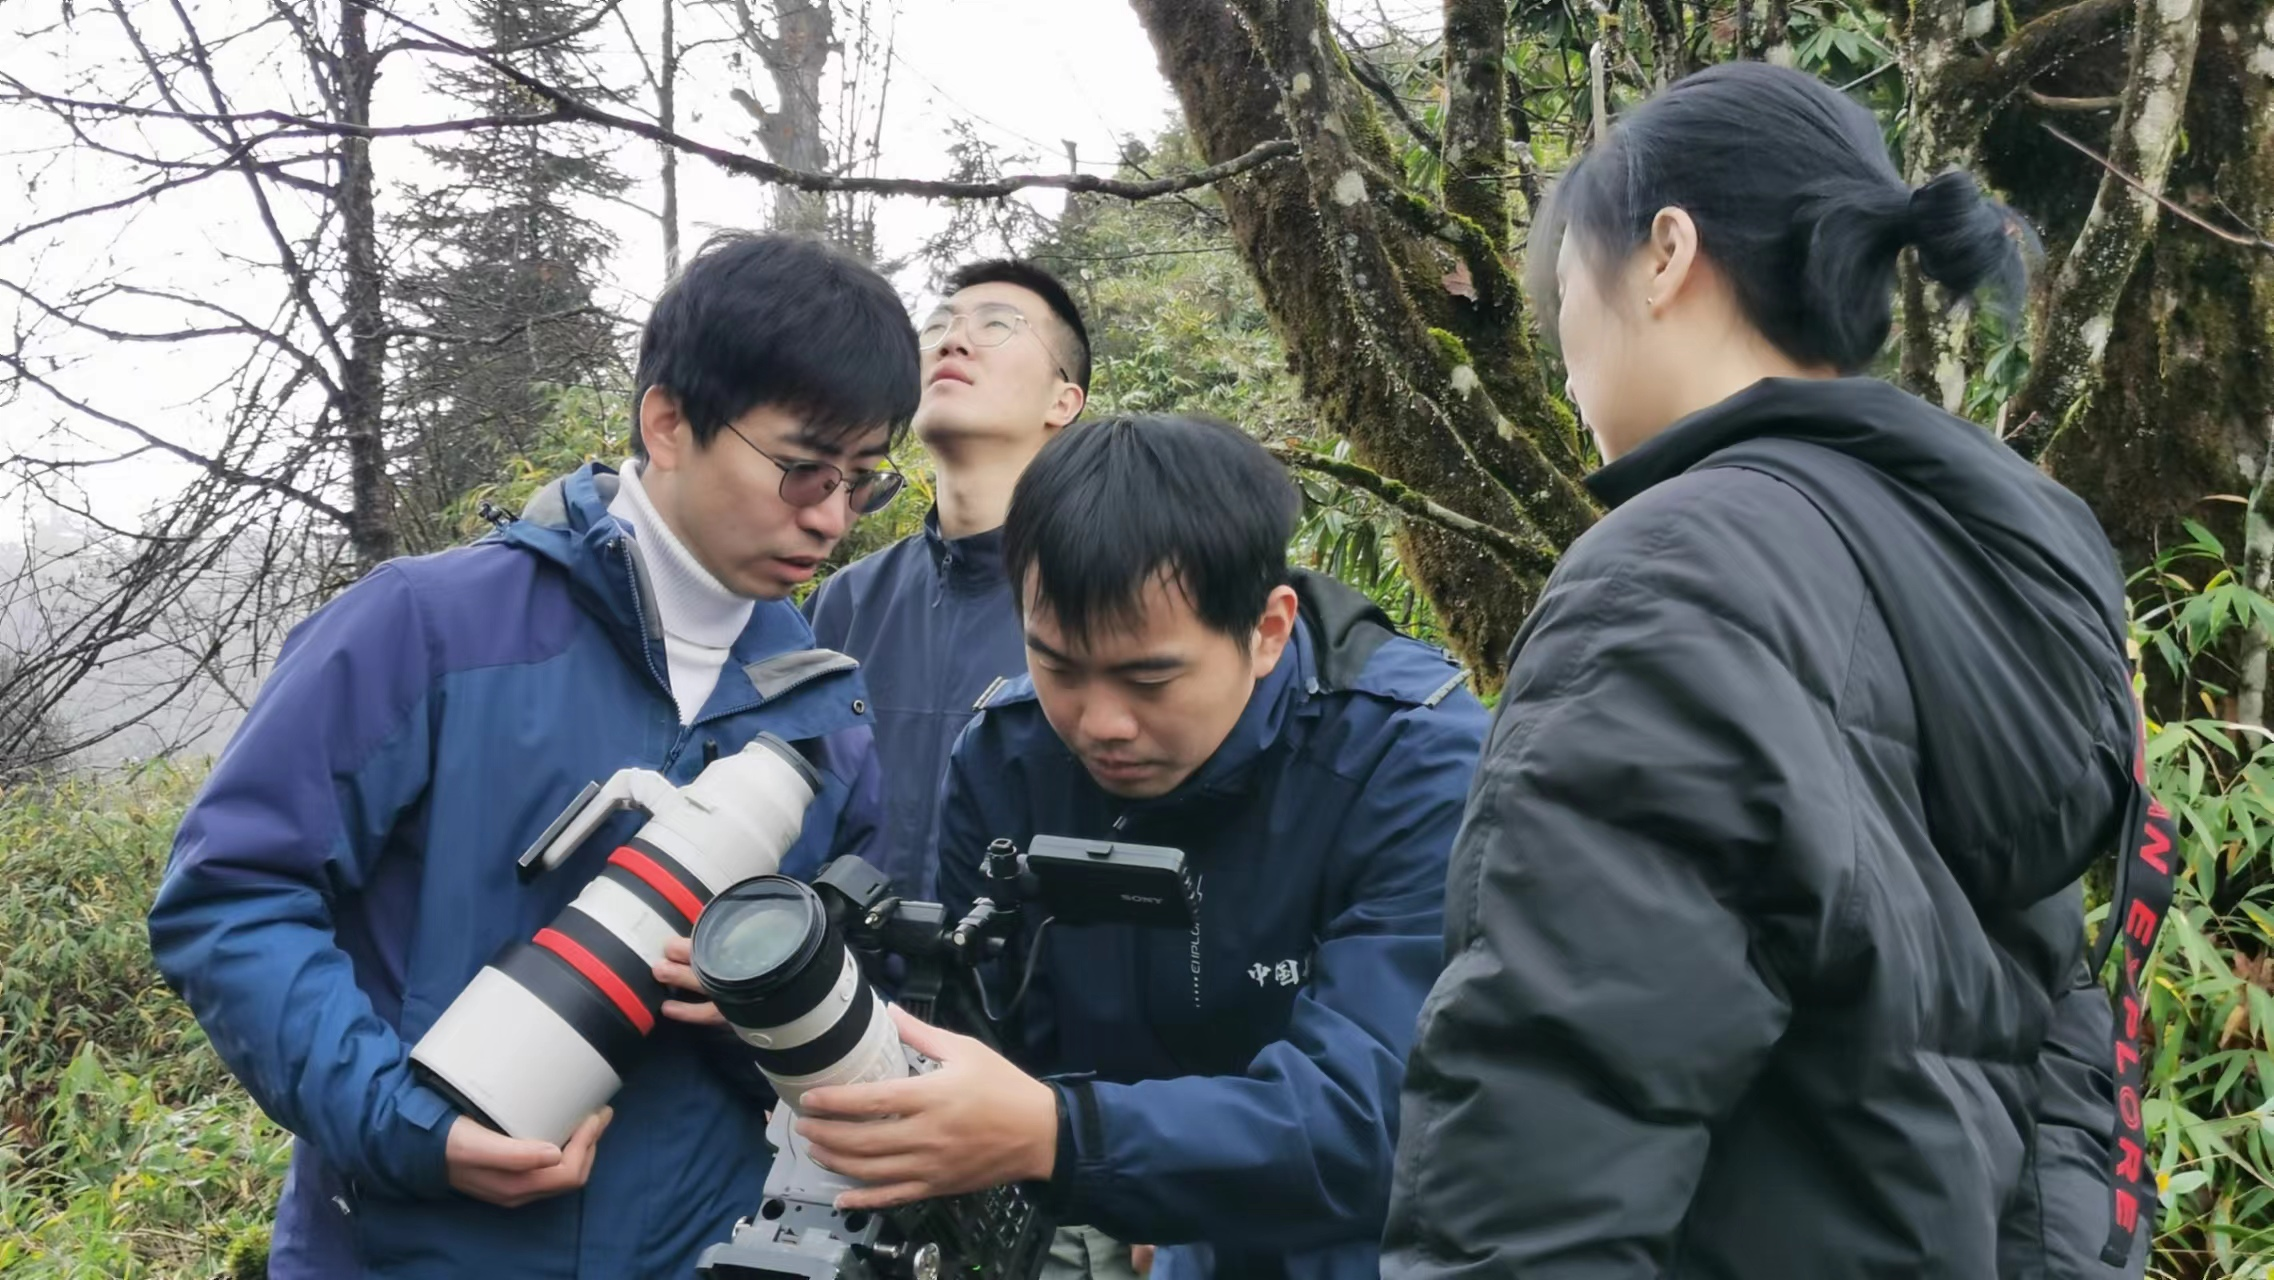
748, 939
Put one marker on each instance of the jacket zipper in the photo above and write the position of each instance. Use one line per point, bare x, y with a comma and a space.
632, 577
647, 651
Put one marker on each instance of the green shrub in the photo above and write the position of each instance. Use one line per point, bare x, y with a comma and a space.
2210, 1113
125, 1148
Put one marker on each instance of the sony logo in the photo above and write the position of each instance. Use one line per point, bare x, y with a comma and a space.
1138, 897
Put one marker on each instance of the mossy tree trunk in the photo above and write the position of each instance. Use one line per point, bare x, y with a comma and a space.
1399, 310
2184, 407
1401, 315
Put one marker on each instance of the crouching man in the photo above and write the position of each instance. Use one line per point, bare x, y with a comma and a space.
1230, 1095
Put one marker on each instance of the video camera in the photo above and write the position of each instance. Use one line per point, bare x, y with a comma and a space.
780, 959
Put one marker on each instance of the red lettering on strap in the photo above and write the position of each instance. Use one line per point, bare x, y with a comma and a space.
2154, 844
2140, 921
599, 975
2129, 1159
2136, 910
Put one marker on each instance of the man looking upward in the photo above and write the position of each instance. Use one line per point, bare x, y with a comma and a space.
1005, 364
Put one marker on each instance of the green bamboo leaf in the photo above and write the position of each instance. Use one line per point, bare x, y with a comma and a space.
2204, 539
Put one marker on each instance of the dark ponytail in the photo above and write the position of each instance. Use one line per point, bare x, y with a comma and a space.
1966, 240
1795, 201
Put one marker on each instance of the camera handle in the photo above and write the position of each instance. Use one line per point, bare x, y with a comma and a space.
938, 960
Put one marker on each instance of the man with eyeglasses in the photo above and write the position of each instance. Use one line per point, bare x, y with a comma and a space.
350, 864
1005, 365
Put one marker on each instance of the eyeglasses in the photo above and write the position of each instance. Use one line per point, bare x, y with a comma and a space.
809, 484
990, 324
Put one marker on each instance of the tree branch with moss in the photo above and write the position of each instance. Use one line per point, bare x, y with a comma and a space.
1527, 556
1476, 124
1353, 289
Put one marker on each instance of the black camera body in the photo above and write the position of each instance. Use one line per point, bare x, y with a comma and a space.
779, 958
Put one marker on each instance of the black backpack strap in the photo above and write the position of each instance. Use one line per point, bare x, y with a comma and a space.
2135, 912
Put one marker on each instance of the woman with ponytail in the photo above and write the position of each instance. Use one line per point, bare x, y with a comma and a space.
1765, 937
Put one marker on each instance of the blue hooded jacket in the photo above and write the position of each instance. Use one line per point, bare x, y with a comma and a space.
1235, 1090
933, 623
349, 866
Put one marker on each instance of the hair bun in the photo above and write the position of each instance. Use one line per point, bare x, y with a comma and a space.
1966, 240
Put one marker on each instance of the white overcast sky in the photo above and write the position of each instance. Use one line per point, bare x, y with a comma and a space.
1028, 75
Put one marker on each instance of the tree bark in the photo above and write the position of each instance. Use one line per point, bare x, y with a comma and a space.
2185, 405
362, 399
1476, 111
2078, 311
1432, 388
2258, 575
1669, 41
1946, 129
790, 131
1955, 97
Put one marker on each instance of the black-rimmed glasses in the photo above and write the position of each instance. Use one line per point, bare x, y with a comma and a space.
809, 484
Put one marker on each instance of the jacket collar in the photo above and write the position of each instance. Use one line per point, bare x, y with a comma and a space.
1839, 412
973, 563
568, 524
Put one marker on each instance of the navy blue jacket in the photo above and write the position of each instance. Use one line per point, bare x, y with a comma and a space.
935, 628
1236, 1089
349, 866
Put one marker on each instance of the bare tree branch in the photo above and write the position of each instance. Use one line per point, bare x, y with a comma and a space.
213, 466
1378, 83
138, 196
2247, 239
238, 326
745, 165
2048, 102
2044, 43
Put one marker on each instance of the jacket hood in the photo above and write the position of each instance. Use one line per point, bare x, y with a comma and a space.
2001, 594
568, 523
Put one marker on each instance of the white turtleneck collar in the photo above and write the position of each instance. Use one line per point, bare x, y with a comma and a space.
701, 618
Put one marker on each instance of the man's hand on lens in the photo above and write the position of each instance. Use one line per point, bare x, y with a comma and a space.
487, 1165
976, 1122
1141, 1259
677, 970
